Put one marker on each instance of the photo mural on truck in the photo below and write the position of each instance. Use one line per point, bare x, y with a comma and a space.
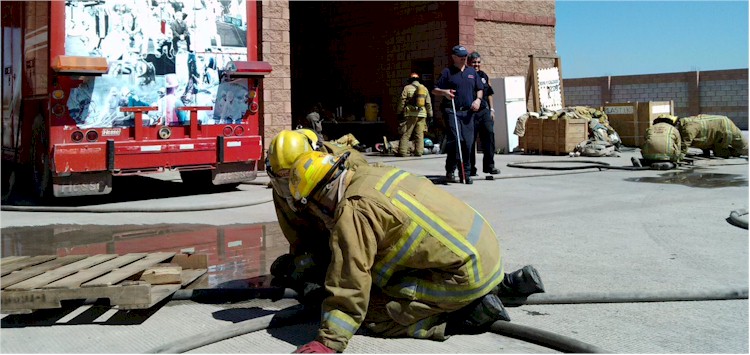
163, 53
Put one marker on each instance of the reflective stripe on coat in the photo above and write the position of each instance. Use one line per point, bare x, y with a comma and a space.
662, 143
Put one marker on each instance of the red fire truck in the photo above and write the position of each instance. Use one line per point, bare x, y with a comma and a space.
96, 89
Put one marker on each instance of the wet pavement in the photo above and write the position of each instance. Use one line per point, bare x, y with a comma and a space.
706, 180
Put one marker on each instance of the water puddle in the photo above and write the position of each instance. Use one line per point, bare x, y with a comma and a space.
695, 179
239, 255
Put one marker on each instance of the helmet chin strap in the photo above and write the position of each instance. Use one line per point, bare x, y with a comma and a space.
332, 193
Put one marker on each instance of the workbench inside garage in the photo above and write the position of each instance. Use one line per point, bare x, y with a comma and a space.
367, 132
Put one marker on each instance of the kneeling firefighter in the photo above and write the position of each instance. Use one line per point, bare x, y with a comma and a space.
408, 259
712, 132
662, 145
307, 235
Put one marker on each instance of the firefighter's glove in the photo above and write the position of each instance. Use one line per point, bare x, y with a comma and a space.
311, 295
402, 127
283, 266
303, 267
314, 347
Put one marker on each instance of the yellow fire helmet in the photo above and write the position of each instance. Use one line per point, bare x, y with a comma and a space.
310, 135
666, 118
284, 150
313, 170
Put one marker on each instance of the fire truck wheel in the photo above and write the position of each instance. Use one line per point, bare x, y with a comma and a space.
40, 166
9, 180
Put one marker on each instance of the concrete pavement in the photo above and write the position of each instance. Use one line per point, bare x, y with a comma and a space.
598, 232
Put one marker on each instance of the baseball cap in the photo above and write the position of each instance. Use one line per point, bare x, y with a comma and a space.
460, 51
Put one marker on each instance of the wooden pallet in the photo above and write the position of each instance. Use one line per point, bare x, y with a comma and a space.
131, 281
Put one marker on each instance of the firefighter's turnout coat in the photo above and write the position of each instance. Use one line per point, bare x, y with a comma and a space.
415, 118
410, 109
407, 249
662, 143
714, 132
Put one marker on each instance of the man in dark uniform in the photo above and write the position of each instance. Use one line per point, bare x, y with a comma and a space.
484, 122
462, 85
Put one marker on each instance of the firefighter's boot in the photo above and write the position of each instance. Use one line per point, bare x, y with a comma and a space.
663, 165
521, 283
486, 311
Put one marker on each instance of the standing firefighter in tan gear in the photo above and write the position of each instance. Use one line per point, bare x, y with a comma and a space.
416, 107
662, 141
408, 259
304, 266
712, 132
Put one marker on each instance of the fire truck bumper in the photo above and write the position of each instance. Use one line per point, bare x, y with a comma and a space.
234, 172
95, 183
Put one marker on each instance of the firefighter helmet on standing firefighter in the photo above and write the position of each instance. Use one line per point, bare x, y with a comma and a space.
284, 150
311, 171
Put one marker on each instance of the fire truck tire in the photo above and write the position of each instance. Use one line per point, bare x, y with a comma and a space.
40, 165
9, 180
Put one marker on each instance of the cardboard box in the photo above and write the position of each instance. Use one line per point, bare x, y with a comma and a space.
553, 137
631, 120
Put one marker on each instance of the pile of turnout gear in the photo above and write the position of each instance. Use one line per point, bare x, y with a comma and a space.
391, 147
603, 140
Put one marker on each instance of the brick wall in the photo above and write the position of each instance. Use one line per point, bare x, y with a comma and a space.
507, 32
276, 50
417, 31
719, 92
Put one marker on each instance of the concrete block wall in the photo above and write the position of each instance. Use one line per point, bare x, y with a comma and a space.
719, 92
276, 50
507, 32
584, 96
676, 91
416, 31
726, 97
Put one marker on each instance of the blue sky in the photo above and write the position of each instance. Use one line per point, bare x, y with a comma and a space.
601, 38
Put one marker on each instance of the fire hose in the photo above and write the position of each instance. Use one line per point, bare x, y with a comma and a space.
293, 315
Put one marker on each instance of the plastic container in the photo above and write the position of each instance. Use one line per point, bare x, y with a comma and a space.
371, 112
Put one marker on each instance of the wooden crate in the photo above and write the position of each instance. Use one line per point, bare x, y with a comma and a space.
555, 137
631, 120
29, 283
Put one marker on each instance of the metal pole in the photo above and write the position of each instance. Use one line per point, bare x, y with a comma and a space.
458, 140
